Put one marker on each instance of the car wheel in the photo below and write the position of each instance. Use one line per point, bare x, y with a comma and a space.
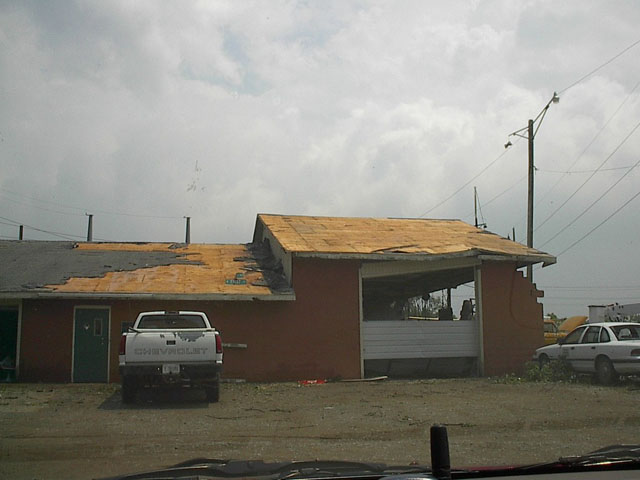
543, 360
128, 390
605, 373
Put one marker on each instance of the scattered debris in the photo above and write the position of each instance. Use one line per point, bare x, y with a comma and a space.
312, 382
370, 379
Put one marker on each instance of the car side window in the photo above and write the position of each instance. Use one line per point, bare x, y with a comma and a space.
604, 336
592, 335
574, 337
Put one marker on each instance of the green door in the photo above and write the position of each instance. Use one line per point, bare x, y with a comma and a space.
91, 345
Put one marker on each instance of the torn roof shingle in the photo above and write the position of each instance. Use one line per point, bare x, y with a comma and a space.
371, 236
137, 269
211, 271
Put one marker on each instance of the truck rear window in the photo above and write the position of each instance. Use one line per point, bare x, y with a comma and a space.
150, 322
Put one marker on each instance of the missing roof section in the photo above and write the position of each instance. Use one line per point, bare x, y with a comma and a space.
262, 260
30, 265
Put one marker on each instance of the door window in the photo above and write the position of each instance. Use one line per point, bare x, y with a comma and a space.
574, 337
97, 327
592, 335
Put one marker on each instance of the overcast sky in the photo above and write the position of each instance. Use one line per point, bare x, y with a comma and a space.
142, 113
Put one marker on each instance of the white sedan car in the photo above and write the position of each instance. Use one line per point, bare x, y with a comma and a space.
606, 349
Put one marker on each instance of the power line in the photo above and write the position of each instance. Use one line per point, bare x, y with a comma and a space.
540, 114
65, 236
506, 190
465, 184
105, 212
10, 224
569, 172
599, 225
582, 153
606, 191
41, 208
600, 67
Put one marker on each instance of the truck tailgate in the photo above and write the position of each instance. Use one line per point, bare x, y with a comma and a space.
170, 347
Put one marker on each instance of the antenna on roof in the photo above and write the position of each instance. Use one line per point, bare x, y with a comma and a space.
476, 207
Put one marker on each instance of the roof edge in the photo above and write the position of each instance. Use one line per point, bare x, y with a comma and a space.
426, 257
147, 296
545, 259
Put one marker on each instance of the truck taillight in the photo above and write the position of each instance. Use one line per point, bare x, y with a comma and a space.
123, 344
218, 344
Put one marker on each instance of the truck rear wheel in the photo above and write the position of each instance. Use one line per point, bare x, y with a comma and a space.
128, 390
213, 391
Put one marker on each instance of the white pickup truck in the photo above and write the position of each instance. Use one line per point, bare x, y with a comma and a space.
170, 348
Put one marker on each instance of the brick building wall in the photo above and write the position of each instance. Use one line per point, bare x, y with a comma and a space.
315, 336
512, 318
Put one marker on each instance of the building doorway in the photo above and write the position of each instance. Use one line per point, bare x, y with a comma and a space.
91, 344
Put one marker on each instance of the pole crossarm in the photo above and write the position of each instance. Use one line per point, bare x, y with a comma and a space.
540, 117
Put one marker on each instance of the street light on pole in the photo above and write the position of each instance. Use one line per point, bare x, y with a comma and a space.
531, 130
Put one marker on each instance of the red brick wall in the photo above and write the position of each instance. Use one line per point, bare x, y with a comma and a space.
512, 318
327, 313
315, 336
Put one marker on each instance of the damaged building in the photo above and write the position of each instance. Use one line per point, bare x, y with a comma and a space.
309, 297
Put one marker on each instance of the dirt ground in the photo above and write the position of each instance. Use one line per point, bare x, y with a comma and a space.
84, 431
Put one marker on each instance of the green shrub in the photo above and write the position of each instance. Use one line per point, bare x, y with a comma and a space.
553, 371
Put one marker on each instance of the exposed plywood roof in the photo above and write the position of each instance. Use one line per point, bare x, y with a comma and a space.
359, 237
129, 269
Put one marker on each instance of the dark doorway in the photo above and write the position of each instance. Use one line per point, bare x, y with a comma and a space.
8, 343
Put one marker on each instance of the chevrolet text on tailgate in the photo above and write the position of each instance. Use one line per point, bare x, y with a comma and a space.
171, 348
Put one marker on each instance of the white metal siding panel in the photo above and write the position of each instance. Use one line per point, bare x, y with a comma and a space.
419, 339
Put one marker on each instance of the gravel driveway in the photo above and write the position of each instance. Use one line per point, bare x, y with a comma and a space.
84, 431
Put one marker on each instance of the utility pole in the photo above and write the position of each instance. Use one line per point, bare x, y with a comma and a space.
21, 233
90, 228
187, 238
530, 136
